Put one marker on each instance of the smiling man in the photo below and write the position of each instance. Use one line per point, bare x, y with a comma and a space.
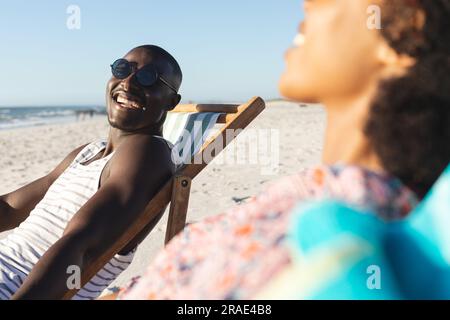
72, 215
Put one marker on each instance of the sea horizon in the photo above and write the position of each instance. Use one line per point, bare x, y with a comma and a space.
29, 116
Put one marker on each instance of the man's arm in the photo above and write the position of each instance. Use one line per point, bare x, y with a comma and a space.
16, 206
137, 171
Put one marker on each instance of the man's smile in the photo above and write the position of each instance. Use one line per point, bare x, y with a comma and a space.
126, 100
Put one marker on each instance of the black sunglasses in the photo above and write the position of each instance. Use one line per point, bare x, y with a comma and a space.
146, 76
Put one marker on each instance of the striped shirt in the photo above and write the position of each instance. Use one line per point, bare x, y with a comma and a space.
22, 249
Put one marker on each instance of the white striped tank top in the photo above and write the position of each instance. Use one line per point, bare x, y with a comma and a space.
23, 248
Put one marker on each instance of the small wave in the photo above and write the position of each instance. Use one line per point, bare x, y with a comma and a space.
4, 117
34, 116
56, 113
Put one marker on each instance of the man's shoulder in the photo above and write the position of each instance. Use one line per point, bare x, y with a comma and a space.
144, 151
145, 142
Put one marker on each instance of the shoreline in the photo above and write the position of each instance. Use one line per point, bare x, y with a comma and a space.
52, 122
22, 117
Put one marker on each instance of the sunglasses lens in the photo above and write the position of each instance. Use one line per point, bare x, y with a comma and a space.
121, 69
147, 76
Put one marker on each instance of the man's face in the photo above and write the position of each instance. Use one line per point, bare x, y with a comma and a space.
133, 107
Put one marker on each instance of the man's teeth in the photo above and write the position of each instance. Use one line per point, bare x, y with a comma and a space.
127, 103
299, 40
122, 100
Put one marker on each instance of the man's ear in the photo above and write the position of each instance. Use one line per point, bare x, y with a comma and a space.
175, 101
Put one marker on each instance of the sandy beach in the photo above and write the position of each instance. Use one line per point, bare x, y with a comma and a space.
29, 153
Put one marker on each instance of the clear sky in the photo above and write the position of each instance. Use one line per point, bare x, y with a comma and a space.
229, 50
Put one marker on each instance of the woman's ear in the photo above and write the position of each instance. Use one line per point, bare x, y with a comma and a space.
393, 63
175, 101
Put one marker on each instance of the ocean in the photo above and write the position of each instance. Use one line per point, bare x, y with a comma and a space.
19, 117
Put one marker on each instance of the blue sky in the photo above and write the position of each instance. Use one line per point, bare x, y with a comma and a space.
228, 50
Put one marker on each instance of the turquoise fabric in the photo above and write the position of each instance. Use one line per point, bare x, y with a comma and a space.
372, 259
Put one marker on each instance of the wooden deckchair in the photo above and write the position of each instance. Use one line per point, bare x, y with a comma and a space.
177, 190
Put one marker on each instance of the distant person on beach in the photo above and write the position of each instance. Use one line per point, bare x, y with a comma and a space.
82, 114
387, 97
67, 219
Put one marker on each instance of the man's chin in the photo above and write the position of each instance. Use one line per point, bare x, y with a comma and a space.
133, 128
122, 126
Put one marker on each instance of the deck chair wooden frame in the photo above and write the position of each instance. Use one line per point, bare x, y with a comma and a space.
177, 190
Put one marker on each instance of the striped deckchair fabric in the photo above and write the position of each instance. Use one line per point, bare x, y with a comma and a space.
187, 127
188, 132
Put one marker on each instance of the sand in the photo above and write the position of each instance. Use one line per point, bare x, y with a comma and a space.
29, 153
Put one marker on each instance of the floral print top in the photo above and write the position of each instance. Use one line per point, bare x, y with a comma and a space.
232, 255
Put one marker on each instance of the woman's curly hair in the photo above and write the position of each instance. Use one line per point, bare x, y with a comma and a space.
409, 121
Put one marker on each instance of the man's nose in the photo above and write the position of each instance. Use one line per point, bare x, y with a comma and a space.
128, 82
